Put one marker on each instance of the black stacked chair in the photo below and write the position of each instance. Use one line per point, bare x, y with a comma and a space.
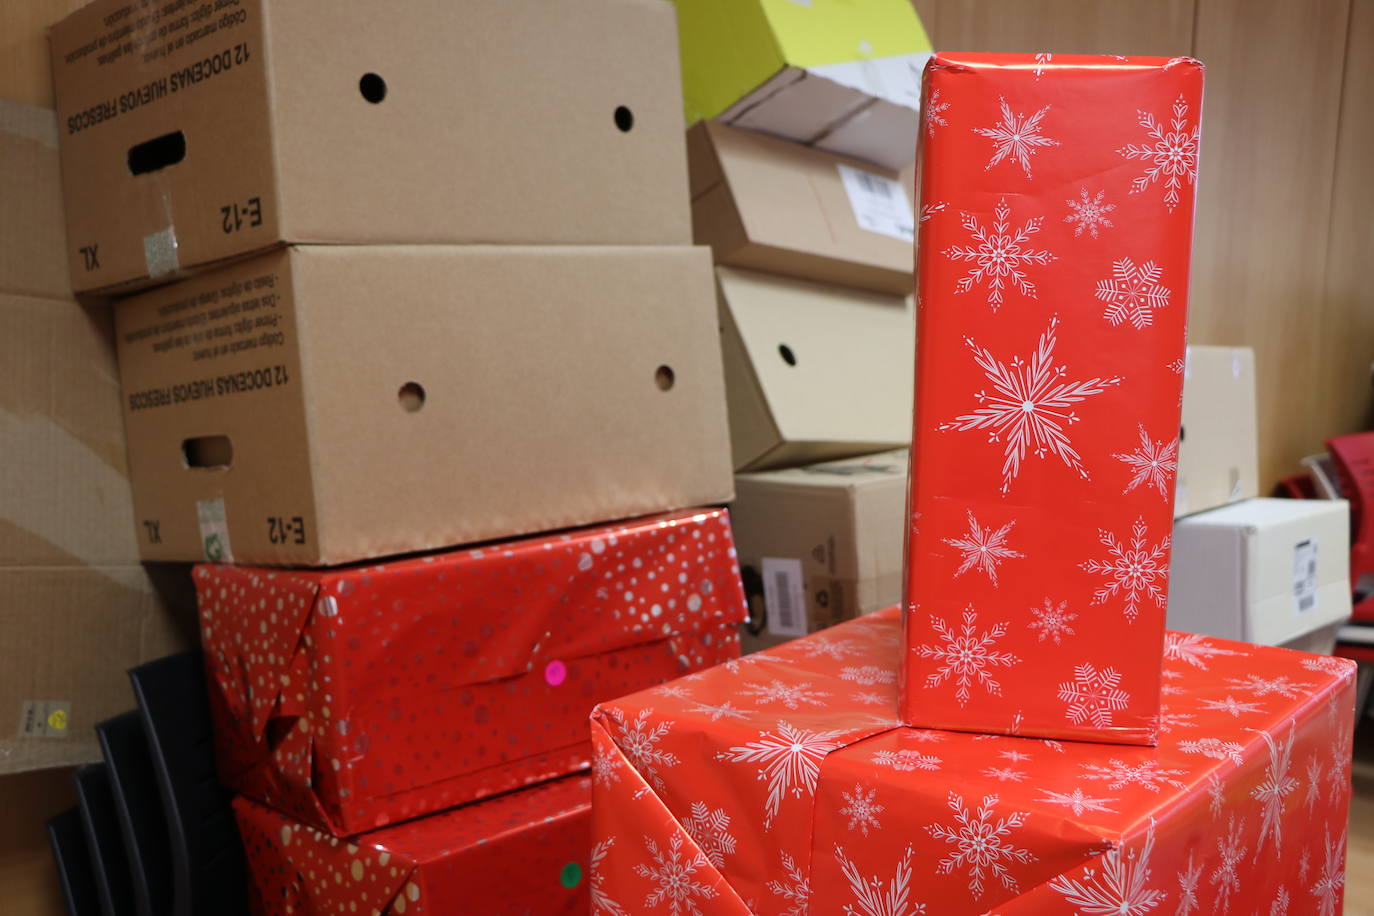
67, 837
104, 840
139, 805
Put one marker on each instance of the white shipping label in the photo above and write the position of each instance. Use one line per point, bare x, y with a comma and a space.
214, 531
45, 719
784, 596
1305, 576
880, 204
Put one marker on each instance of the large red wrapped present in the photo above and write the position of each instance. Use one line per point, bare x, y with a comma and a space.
518, 854
781, 784
1057, 203
353, 698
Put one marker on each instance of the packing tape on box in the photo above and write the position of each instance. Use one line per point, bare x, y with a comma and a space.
160, 251
214, 530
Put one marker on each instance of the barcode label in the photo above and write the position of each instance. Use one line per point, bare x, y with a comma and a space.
879, 203
1305, 575
784, 597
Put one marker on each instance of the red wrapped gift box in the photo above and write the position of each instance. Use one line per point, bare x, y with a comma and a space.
357, 697
782, 783
1057, 199
520, 853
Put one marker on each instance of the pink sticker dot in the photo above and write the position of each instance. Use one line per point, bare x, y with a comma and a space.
555, 673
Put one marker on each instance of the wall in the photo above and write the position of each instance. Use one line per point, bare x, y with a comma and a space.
1284, 254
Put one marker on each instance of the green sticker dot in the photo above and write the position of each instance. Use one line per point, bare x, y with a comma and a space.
571, 876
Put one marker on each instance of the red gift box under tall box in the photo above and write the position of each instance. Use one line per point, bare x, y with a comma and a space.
520, 853
1057, 200
358, 697
781, 784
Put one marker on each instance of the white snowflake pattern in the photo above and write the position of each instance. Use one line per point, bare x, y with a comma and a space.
966, 655
795, 890
1152, 463
1230, 852
1231, 706
1093, 695
710, 829
716, 712
837, 649
1028, 407
638, 741
1263, 686
1133, 568
1304, 865
1274, 789
1191, 648
1176, 366
1215, 748
1187, 887
1132, 293
1089, 213
602, 904
1041, 59
1168, 722
673, 690
906, 760
1053, 621
793, 696
1331, 881
1119, 888
744, 662
673, 871
862, 809
1017, 137
1280, 905
790, 761
1216, 795
983, 548
1076, 801
875, 897
868, 675
1147, 774
1013, 755
980, 841
929, 210
1172, 156
999, 255
1326, 664
1004, 774
1314, 783
933, 111
869, 698
604, 771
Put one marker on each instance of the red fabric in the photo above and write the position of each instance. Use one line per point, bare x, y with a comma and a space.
1056, 222
782, 783
359, 697
525, 853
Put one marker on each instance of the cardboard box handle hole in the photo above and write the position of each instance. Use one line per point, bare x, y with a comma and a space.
373, 88
157, 153
411, 396
665, 378
787, 355
624, 119
211, 452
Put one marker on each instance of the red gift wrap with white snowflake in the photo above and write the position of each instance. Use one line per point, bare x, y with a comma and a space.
519, 853
357, 697
1057, 218
782, 784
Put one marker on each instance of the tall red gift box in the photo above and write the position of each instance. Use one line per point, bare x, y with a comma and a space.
357, 697
520, 853
1057, 213
782, 784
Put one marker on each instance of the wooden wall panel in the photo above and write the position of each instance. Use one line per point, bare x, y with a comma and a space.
24, 72
1162, 27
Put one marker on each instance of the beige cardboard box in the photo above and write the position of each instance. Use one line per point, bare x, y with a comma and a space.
1218, 452
195, 133
324, 404
32, 226
819, 544
1263, 570
25, 64
768, 204
813, 372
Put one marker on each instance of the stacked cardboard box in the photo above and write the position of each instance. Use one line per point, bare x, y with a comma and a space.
375, 306
794, 156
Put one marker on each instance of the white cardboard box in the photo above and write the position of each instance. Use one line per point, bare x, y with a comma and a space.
1218, 454
1264, 570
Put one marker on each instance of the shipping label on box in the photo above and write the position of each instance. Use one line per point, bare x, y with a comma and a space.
323, 404
783, 784
360, 697
523, 852
1053, 282
1218, 448
195, 134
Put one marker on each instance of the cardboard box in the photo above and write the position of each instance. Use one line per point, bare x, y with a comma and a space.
1265, 571
78, 609
32, 227
526, 852
772, 205
360, 697
194, 135
791, 775
819, 544
25, 65
28, 800
1047, 396
833, 73
325, 404
813, 372
1218, 450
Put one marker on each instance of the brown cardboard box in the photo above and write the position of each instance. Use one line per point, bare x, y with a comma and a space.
26, 868
768, 204
323, 404
32, 226
813, 372
217, 130
25, 65
819, 544
1218, 458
